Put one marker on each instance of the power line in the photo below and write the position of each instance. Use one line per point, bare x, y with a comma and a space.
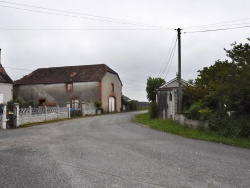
171, 60
222, 29
78, 29
134, 84
210, 25
132, 80
17, 68
83, 16
166, 62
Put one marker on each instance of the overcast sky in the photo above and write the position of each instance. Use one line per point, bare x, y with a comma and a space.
133, 37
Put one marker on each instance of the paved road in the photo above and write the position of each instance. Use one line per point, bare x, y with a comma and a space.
111, 151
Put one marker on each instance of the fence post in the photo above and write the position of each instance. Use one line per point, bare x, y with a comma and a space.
68, 105
45, 107
164, 113
30, 113
58, 111
16, 115
83, 108
4, 119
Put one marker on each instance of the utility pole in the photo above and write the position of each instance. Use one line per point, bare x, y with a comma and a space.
179, 71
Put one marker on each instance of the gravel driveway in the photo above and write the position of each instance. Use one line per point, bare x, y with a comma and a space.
111, 151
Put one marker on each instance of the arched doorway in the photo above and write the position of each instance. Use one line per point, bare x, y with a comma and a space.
112, 104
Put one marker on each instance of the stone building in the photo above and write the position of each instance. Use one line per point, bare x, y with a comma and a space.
167, 98
74, 85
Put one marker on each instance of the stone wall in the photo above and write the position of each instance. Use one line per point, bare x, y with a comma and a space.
189, 122
87, 92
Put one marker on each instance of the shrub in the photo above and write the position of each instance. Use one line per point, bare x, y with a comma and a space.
193, 111
205, 113
98, 104
153, 110
229, 125
133, 105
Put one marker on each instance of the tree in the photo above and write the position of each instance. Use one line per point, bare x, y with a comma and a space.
152, 85
224, 85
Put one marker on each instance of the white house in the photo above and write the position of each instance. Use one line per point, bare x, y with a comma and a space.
167, 98
6, 85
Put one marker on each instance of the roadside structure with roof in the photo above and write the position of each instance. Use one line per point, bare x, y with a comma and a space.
167, 98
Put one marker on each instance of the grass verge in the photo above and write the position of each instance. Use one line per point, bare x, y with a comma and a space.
170, 126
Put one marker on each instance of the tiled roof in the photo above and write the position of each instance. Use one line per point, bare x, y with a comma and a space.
68, 74
4, 77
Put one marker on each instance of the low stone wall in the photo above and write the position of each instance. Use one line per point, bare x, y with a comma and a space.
89, 109
189, 122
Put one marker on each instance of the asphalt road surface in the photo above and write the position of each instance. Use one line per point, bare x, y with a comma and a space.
112, 151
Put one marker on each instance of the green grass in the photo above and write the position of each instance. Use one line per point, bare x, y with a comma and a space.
170, 126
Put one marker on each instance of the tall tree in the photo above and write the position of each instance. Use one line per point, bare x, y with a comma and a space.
226, 83
152, 85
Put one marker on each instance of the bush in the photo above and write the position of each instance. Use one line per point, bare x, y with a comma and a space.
153, 110
22, 104
98, 104
133, 105
193, 111
205, 113
229, 125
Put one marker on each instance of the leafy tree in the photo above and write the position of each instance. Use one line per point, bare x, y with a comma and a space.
240, 55
152, 85
224, 85
153, 111
217, 85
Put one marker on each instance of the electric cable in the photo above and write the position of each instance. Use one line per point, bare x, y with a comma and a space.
221, 29
166, 61
171, 59
83, 16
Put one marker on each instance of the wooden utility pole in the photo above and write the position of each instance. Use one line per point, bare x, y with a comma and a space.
179, 71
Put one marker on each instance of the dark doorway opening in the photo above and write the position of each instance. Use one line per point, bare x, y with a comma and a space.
41, 102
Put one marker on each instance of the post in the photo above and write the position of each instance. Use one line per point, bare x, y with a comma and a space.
164, 113
30, 113
179, 71
45, 107
68, 105
16, 115
58, 111
4, 119
83, 108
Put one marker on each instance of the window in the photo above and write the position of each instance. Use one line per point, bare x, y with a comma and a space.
112, 87
170, 97
69, 87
